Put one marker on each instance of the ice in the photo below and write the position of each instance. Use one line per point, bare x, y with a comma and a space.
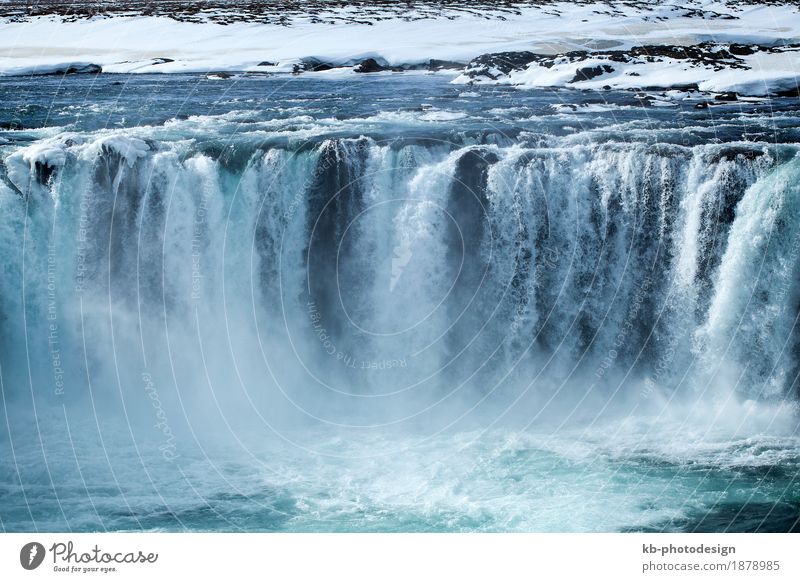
128, 148
23, 165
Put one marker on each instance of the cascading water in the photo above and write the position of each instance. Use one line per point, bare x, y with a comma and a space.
359, 285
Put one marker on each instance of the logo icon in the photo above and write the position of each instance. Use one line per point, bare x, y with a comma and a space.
31, 555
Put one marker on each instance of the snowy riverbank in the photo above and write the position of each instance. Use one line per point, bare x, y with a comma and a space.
587, 45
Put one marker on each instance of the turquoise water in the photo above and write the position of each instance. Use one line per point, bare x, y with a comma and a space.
609, 478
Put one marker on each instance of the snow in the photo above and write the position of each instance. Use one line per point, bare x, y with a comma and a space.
157, 44
769, 73
766, 73
129, 44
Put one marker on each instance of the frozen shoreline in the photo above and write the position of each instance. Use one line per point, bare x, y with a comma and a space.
118, 43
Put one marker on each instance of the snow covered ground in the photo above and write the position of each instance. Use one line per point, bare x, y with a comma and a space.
231, 39
746, 69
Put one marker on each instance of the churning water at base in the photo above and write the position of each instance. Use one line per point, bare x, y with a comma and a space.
382, 304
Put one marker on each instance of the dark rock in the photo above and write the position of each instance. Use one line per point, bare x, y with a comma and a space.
706, 53
78, 70
727, 96
741, 50
266, 64
702, 105
312, 65
587, 73
84, 70
219, 75
688, 87
369, 66
320, 67
503, 62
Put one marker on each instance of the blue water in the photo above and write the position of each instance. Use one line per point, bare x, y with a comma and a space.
390, 303
125, 101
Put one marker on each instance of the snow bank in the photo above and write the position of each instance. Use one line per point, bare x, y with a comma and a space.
143, 44
158, 44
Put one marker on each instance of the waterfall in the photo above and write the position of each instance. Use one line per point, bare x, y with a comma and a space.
315, 278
